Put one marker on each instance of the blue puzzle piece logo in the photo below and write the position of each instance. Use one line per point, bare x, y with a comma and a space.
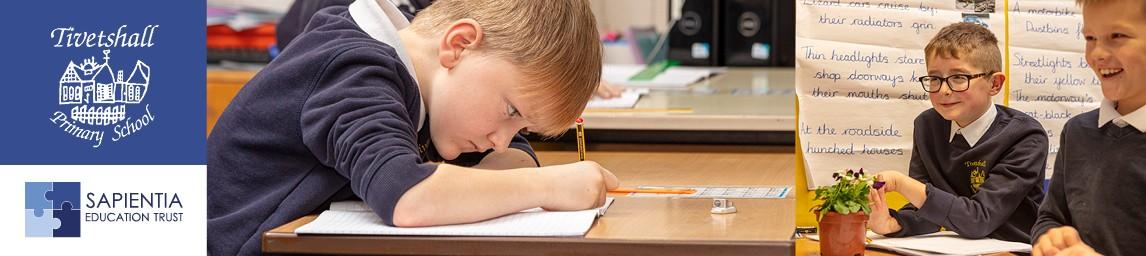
64, 192
69, 221
39, 226
34, 197
51, 209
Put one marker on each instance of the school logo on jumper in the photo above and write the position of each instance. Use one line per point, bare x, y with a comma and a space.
51, 209
94, 96
978, 173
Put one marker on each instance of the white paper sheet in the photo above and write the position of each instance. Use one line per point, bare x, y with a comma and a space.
856, 70
949, 243
1050, 79
355, 218
628, 99
941, 243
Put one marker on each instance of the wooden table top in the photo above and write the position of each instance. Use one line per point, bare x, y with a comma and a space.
632, 225
809, 247
740, 99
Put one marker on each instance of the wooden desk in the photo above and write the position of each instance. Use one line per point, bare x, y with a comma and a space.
632, 226
741, 99
222, 86
808, 247
741, 106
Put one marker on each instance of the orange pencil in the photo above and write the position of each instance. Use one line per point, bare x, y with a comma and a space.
654, 190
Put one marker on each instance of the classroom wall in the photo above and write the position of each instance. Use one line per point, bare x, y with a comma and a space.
620, 15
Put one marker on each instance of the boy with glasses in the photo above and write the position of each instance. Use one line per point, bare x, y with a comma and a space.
976, 168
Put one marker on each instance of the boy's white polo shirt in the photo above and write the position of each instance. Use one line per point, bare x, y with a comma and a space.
974, 131
1108, 114
381, 20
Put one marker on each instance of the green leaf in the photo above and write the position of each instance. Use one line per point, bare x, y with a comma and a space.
847, 195
852, 204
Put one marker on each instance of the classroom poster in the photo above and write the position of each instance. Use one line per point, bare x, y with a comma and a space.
103, 149
856, 70
1050, 79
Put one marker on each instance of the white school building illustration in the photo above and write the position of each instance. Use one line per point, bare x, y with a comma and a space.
101, 93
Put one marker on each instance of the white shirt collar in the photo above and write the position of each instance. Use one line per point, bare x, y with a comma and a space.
1107, 114
381, 20
974, 131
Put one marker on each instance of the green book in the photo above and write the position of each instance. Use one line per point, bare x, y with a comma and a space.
653, 70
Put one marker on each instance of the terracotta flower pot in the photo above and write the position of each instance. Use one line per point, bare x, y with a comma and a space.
842, 235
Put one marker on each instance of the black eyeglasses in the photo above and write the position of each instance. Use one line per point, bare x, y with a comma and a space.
956, 82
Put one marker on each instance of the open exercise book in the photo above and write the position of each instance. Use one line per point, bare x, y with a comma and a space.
941, 243
355, 218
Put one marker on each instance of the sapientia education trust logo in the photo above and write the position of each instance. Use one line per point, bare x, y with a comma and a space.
94, 98
51, 209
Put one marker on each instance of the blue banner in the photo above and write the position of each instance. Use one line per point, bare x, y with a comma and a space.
103, 82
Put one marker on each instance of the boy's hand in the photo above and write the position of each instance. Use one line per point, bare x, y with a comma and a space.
914, 191
1080, 249
1061, 241
577, 186
891, 180
605, 90
880, 220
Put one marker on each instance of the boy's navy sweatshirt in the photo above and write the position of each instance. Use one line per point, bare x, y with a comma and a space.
334, 117
992, 189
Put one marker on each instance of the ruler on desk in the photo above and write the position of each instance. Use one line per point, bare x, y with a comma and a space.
730, 192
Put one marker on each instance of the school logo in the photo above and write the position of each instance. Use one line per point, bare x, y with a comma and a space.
51, 209
94, 98
978, 173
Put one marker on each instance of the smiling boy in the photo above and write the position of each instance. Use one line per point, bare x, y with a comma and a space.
420, 120
1094, 202
976, 168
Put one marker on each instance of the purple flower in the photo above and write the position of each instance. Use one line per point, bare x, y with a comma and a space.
878, 184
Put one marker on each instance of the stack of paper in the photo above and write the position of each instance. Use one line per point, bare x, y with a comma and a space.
673, 77
355, 218
946, 243
941, 243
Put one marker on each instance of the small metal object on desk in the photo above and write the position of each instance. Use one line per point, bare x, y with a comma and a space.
722, 206
801, 231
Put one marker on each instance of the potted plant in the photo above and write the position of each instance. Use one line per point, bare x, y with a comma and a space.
842, 213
